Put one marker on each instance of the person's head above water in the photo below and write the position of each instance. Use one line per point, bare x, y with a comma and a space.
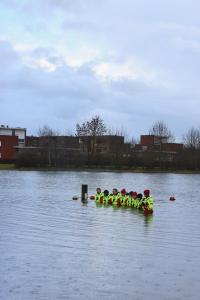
135, 195
146, 193
115, 191
106, 193
139, 196
123, 192
98, 190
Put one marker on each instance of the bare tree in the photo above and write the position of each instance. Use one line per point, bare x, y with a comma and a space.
192, 138
159, 128
48, 142
47, 131
117, 131
94, 127
113, 131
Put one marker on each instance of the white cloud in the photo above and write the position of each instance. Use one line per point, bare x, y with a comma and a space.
130, 69
81, 56
43, 64
24, 47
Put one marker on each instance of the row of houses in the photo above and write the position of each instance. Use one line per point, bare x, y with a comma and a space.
15, 140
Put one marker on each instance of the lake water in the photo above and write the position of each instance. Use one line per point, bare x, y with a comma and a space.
52, 247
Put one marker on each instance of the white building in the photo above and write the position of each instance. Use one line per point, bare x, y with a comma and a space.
17, 131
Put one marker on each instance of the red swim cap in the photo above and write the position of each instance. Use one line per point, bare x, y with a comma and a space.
146, 192
134, 193
123, 191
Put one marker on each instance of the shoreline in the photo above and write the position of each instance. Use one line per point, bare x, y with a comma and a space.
12, 167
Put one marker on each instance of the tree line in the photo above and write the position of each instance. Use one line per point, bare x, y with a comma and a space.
49, 155
96, 127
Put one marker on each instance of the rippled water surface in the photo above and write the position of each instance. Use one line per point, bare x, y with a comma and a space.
52, 247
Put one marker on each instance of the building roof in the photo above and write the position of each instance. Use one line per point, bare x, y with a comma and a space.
11, 128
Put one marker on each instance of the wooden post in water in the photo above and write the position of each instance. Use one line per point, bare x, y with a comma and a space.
84, 192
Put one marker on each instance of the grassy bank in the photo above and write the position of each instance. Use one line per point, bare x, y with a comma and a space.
7, 167
99, 169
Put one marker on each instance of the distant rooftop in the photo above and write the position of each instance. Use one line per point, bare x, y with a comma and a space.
11, 128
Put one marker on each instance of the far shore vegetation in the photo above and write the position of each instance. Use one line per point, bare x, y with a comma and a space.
85, 150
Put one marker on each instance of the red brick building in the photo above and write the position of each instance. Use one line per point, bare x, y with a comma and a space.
157, 143
102, 144
14, 131
158, 147
173, 147
8, 146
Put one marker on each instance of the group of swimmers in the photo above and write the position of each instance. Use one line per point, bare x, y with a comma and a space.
123, 198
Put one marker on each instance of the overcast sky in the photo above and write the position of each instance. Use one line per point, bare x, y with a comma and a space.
132, 62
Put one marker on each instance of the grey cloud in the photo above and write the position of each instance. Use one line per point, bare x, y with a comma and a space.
8, 57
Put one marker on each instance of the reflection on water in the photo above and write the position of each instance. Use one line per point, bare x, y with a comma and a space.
55, 248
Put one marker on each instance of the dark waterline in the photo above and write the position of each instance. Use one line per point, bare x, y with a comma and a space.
55, 248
